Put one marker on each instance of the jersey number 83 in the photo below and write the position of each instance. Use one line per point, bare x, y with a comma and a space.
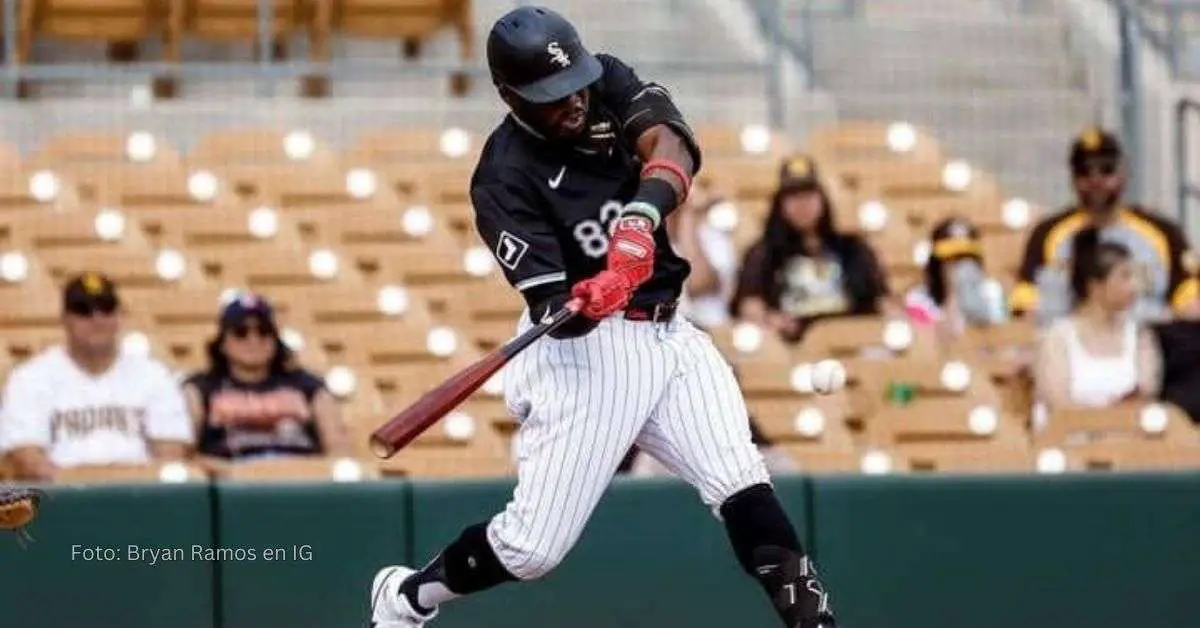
592, 235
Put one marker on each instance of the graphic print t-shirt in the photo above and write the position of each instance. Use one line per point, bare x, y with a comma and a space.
82, 419
271, 417
812, 287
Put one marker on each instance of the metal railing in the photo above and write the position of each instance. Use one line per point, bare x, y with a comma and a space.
1172, 29
1187, 114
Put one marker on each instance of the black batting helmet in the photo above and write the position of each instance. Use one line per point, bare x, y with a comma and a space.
537, 54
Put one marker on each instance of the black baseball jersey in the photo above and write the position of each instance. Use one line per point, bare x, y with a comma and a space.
544, 208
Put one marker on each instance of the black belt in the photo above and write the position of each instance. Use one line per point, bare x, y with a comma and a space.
663, 312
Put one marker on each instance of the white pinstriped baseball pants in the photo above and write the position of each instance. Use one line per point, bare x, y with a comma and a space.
583, 402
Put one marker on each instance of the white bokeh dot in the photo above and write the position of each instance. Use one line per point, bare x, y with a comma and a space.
109, 225
392, 300
323, 264
755, 139
441, 342
140, 147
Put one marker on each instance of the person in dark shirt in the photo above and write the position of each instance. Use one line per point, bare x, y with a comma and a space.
1179, 343
803, 269
253, 402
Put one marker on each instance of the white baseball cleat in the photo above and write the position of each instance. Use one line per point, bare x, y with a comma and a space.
389, 609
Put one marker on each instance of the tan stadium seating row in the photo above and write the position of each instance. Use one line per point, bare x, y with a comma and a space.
123, 24
383, 282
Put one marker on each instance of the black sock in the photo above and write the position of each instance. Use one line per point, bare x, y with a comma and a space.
467, 565
769, 550
433, 573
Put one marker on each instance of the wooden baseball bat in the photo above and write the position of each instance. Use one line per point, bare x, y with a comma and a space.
402, 428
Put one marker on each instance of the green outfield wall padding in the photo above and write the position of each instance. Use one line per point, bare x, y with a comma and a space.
104, 556
332, 536
1101, 551
653, 557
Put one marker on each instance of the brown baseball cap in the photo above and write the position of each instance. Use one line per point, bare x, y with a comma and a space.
89, 292
798, 173
1094, 143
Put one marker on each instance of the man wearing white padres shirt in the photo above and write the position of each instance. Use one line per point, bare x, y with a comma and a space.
85, 402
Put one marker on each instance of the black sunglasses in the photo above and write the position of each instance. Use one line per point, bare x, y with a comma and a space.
91, 307
1105, 168
242, 331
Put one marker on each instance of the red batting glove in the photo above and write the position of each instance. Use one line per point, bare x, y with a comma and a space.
631, 249
603, 294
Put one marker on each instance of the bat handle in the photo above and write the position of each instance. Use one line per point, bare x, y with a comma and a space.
574, 305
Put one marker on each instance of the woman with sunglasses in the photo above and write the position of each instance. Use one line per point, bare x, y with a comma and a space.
253, 401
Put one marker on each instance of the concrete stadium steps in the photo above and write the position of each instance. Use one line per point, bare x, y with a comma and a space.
996, 84
646, 33
912, 72
952, 37
1001, 110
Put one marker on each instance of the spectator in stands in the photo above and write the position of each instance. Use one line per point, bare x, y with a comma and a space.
803, 269
957, 291
1100, 354
254, 401
710, 252
87, 402
1179, 342
1159, 249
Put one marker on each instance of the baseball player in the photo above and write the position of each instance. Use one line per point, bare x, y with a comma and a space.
570, 193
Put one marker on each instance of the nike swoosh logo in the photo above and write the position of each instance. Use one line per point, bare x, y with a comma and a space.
766, 569
557, 180
547, 318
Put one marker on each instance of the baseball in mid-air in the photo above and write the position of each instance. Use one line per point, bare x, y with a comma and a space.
822, 378
828, 376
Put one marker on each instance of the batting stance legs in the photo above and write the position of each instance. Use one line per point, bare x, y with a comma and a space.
583, 402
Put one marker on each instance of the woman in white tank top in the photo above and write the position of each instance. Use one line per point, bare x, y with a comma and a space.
1098, 355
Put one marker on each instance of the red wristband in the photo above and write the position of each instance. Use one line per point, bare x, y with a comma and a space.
673, 168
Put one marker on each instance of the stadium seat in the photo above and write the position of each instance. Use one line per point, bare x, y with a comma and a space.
296, 469
131, 270
223, 227
382, 224
367, 347
237, 20
26, 189
335, 307
868, 141
153, 473
81, 230
413, 145
410, 21
83, 147
161, 186
858, 336
101, 162
263, 266
1121, 455
1126, 420
966, 458
743, 342
124, 22
495, 309
259, 146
